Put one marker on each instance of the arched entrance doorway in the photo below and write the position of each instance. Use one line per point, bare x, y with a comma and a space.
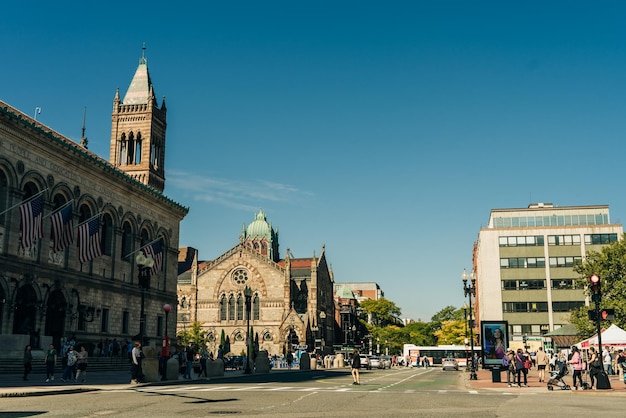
55, 317
291, 339
25, 315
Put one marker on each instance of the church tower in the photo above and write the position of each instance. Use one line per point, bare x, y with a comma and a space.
138, 131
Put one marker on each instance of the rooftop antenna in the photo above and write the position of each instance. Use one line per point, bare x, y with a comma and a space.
37, 112
83, 139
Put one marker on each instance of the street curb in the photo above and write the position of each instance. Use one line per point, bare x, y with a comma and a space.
47, 392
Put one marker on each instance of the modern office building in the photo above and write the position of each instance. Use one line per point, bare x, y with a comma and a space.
523, 263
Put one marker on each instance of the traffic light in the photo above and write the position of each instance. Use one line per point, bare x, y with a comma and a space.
607, 314
594, 284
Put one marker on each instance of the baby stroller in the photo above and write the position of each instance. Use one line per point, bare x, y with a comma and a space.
556, 376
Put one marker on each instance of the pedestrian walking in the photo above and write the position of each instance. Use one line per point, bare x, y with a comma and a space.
356, 365
542, 362
81, 364
509, 365
189, 355
520, 367
28, 361
204, 356
577, 365
136, 374
69, 370
51, 361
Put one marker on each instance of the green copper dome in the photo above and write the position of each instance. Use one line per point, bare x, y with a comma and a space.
259, 228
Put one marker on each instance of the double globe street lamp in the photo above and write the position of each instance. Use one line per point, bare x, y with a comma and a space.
247, 292
144, 264
470, 290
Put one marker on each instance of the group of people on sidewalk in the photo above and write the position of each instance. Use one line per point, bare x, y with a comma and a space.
74, 363
517, 364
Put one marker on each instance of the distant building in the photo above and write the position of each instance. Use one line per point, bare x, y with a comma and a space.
46, 292
363, 290
292, 298
523, 261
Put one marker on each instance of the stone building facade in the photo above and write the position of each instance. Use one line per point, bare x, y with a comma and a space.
46, 295
292, 304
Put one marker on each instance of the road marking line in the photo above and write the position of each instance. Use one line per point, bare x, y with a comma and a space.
216, 388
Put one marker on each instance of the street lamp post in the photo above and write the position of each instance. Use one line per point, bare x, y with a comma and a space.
165, 349
469, 292
247, 292
323, 330
144, 264
467, 357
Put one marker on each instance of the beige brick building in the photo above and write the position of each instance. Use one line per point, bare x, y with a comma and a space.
292, 298
49, 294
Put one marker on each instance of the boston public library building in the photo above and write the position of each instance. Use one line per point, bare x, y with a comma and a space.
72, 224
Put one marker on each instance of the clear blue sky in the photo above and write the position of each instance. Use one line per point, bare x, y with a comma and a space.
384, 130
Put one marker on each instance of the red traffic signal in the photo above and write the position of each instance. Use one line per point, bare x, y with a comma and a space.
594, 284
607, 314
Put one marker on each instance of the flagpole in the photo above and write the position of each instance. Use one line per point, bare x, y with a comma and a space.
23, 202
84, 222
61, 208
136, 251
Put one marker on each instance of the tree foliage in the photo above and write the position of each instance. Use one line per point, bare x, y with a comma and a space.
449, 313
195, 334
610, 264
383, 311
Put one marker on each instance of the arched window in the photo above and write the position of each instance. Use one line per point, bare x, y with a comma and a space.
256, 307
130, 149
4, 195
123, 150
106, 234
240, 304
144, 237
231, 308
138, 149
127, 242
223, 308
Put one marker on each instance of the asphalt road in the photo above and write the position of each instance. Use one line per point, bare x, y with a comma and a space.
383, 393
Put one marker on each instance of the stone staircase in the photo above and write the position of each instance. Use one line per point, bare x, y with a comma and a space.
16, 366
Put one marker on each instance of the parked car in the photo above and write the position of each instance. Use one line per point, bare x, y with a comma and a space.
385, 362
365, 362
375, 362
449, 364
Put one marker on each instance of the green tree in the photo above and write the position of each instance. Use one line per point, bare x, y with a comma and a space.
610, 264
451, 332
195, 334
383, 311
420, 333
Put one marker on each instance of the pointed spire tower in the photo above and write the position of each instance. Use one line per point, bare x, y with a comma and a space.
138, 130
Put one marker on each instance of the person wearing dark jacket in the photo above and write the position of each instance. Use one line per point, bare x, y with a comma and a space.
28, 361
356, 365
520, 367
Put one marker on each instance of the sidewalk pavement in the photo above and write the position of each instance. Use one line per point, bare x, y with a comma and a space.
12, 385
485, 382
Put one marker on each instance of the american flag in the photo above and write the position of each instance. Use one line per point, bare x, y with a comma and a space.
62, 228
89, 240
156, 251
31, 215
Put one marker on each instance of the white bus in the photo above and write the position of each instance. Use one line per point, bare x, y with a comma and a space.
436, 353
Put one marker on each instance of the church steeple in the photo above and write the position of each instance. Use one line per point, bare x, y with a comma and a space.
138, 130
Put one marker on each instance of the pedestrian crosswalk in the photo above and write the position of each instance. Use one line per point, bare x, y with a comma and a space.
167, 389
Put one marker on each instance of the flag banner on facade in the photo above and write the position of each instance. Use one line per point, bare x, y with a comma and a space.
62, 228
31, 215
155, 250
89, 240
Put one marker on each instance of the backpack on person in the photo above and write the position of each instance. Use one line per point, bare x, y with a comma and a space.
506, 361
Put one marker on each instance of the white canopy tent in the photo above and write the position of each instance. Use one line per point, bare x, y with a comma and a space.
612, 336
